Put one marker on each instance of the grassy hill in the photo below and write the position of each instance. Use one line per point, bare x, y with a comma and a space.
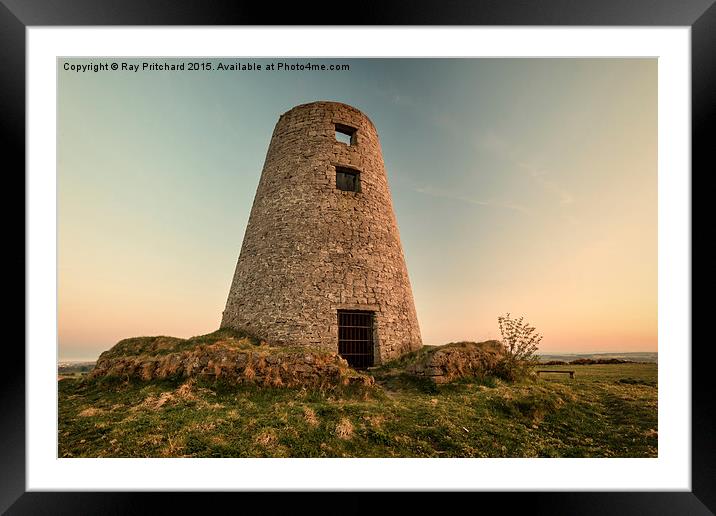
605, 411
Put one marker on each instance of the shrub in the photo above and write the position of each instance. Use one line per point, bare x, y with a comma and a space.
521, 343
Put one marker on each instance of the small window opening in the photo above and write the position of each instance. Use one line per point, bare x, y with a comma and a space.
347, 179
346, 134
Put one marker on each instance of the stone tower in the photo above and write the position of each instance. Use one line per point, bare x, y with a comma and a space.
321, 263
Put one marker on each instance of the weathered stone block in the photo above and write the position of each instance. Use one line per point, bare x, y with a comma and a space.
443, 364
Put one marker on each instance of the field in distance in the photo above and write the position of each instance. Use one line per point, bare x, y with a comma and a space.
637, 356
607, 410
74, 369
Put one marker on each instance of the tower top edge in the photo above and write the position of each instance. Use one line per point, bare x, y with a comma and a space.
328, 104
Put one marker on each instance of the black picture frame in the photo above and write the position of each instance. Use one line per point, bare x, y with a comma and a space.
17, 15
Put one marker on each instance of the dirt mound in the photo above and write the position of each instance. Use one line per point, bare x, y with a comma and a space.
456, 360
228, 355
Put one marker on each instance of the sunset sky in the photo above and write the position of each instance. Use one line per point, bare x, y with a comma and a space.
520, 185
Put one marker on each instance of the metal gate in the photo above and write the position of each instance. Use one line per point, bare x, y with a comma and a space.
355, 337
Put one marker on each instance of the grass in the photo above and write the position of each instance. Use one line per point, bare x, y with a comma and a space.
164, 345
606, 411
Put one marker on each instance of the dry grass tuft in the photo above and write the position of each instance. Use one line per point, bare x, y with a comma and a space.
310, 416
266, 437
218, 440
201, 428
186, 390
175, 444
344, 429
91, 412
274, 378
151, 440
155, 402
375, 421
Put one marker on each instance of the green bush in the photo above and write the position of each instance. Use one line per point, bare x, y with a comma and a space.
521, 343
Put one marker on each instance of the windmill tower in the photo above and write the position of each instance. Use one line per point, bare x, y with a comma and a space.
321, 263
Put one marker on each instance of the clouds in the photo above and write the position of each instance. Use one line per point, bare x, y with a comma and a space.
446, 194
563, 196
512, 154
516, 170
549, 192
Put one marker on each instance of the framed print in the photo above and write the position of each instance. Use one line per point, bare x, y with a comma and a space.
441, 253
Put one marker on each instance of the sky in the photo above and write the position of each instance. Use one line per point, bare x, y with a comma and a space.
522, 186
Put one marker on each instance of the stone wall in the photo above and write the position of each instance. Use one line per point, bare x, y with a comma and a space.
311, 249
267, 367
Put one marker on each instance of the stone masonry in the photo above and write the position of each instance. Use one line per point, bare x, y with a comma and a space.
311, 249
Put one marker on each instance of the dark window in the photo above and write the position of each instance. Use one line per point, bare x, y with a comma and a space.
346, 134
355, 337
347, 179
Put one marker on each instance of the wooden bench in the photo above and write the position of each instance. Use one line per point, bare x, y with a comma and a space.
571, 373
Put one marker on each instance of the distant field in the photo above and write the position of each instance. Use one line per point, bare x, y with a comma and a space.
630, 356
606, 411
623, 374
73, 369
